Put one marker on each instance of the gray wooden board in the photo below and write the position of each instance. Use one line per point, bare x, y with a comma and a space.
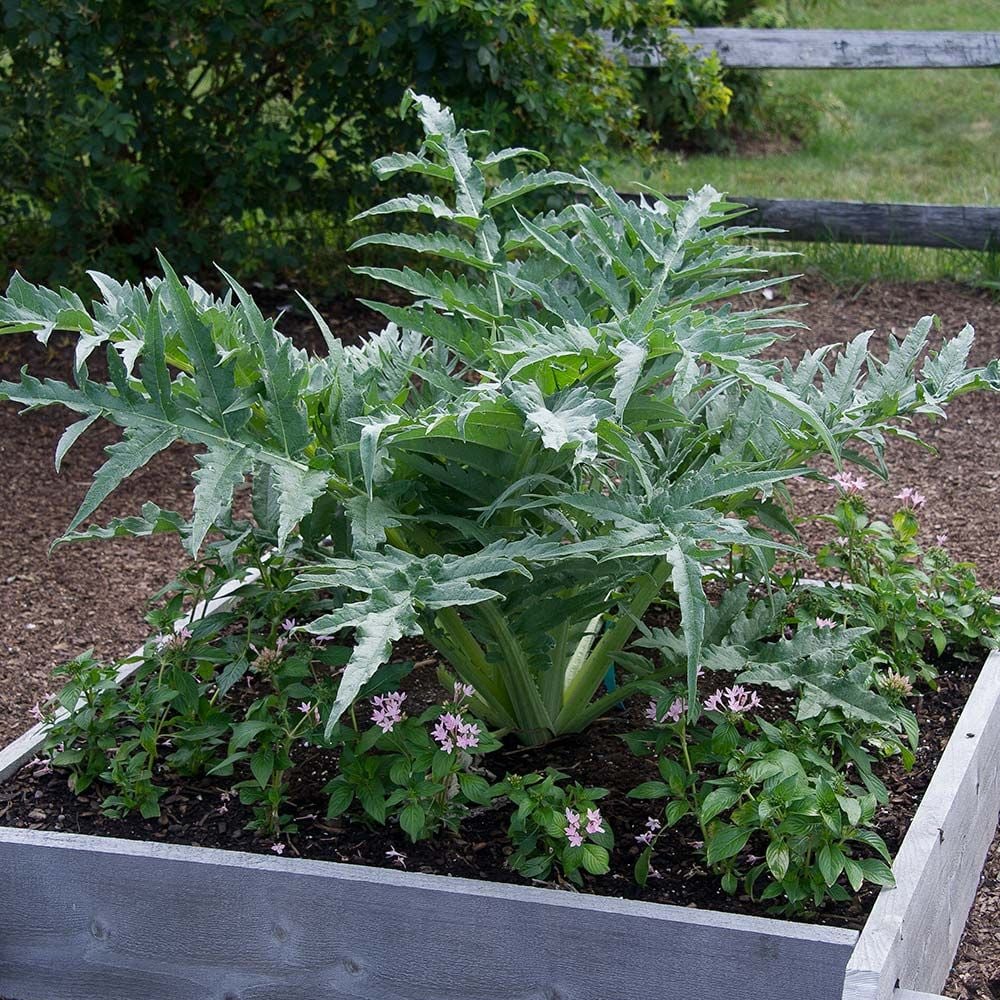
90, 918
912, 934
962, 227
798, 48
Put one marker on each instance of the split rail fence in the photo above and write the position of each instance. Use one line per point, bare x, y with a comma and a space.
966, 227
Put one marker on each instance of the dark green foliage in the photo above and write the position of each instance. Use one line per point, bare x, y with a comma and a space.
240, 132
692, 103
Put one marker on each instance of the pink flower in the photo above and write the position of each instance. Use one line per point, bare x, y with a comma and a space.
849, 483
572, 831
677, 708
653, 824
462, 691
307, 708
278, 847
644, 838
825, 623
941, 539
467, 736
594, 821
911, 497
713, 702
452, 731
289, 624
741, 699
396, 856
36, 712
738, 699
388, 710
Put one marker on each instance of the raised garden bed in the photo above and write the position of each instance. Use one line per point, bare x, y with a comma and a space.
95, 917
520, 503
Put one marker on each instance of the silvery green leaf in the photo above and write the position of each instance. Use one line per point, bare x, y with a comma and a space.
370, 517
220, 471
627, 372
571, 420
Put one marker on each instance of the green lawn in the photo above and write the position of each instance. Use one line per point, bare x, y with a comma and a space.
887, 135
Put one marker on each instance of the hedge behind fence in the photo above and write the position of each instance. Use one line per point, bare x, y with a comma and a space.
237, 131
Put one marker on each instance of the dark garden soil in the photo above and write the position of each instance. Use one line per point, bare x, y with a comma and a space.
57, 605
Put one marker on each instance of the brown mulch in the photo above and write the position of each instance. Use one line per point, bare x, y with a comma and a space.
93, 594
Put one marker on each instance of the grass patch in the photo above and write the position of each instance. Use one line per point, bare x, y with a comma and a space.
883, 135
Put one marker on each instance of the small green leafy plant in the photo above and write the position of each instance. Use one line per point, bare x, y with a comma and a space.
402, 768
555, 828
917, 602
780, 790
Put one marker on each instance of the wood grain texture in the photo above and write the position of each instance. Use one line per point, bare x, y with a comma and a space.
912, 934
16, 754
797, 48
960, 227
88, 918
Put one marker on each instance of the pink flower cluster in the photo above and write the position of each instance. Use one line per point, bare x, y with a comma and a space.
175, 640
674, 713
388, 710
462, 692
652, 827
451, 732
595, 824
734, 699
911, 498
850, 483
825, 623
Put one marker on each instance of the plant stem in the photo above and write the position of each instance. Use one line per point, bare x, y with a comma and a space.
581, 688
533, 721
457, 644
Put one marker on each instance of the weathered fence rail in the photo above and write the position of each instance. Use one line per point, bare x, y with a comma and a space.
956, 227
826, 48
960, 227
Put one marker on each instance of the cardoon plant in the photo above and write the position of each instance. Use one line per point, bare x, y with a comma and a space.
568, 422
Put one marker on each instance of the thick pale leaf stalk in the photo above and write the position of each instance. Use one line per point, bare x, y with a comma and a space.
581, 689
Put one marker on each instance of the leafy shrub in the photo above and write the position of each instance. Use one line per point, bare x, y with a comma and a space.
555, 828
802, 791
421, 776
570, 422
236, 132
701, 104
584, 424
775, 788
